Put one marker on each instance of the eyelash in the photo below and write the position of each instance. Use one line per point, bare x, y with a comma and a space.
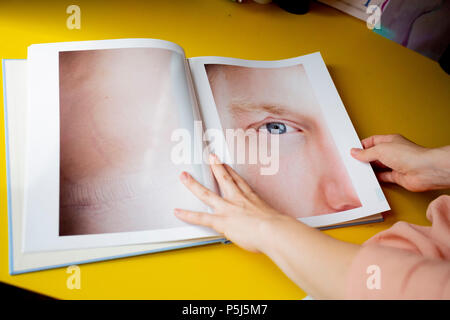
290, 127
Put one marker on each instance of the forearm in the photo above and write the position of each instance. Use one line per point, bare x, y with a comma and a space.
314, 261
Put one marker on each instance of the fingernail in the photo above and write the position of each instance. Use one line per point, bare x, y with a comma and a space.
213, 158
178, 212
355, 150
184, 176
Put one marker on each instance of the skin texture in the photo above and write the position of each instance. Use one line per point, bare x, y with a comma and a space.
117, 113
93, 116
310, 167
321, 268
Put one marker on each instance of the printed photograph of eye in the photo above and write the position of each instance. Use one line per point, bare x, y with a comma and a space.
312, 178
276, 128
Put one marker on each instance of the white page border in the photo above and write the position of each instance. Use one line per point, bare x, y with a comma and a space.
42, 172
342, 131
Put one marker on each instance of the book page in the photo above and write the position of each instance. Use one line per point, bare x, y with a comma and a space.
295, 136
14, 77
100, 167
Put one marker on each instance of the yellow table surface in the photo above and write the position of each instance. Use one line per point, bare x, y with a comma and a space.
385, 87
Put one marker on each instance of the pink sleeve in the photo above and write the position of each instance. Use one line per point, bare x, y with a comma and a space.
405, 261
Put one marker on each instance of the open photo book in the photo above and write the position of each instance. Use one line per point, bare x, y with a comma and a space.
98, 133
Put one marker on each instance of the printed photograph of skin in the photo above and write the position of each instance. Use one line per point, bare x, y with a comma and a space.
117, 112
311, 179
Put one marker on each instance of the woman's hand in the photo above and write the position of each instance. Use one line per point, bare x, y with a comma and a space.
314, 261
403, 162
240, 215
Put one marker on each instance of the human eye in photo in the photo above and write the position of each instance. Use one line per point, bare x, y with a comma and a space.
312, 179
276, 127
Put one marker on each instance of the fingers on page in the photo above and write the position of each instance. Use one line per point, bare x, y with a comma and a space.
241, 183
367, 155
224, 179
205, 195
200, 218
371, 141
377, 139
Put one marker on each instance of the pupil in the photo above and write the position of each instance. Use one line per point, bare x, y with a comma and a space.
276, 128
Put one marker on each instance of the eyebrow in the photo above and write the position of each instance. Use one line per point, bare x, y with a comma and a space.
238, 107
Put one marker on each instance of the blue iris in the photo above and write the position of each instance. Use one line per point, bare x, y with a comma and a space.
276, 127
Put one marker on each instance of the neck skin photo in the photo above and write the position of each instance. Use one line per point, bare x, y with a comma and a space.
118, 111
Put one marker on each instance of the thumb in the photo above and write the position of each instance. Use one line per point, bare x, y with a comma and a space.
366, 155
